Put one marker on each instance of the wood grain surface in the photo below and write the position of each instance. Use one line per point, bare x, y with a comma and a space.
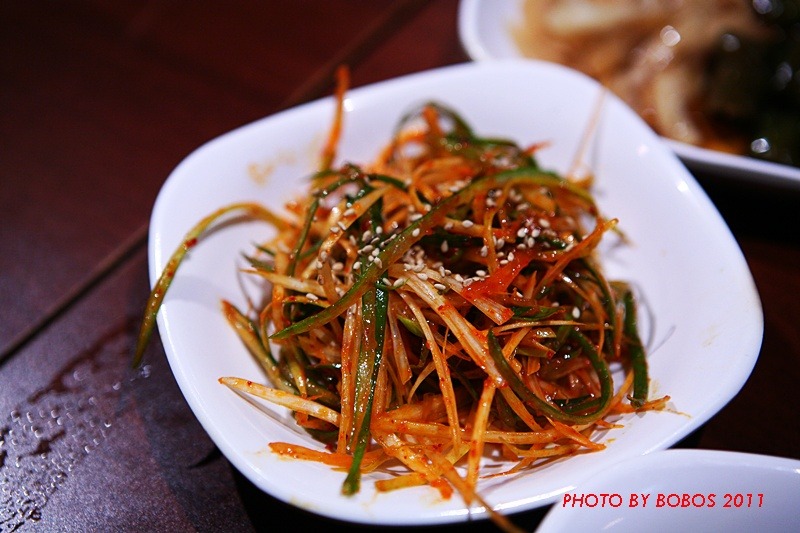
99, 101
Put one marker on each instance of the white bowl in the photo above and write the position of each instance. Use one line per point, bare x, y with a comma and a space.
485, 31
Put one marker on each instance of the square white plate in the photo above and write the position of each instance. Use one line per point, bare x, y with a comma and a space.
701, 315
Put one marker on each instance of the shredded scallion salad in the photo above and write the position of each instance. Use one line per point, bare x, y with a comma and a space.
443, 300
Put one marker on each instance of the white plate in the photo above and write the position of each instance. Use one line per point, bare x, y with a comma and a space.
694, 282
484, 30
685, 490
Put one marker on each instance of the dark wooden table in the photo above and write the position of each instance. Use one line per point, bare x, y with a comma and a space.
100, 100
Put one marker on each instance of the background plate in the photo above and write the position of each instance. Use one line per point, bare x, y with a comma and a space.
484, 32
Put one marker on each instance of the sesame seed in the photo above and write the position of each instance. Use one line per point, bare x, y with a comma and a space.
481, 273
415, 233
312, 297
318, 264
521, 232
356, 265
543, 222
467, 223
378, 262
423, 276
484, 251
398, 282
349, 212
448, 225
335, 229
342, 225
337, 266
439, 286
444, 247
510, 256
576, 313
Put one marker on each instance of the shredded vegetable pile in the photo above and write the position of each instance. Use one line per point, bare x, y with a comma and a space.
439, 304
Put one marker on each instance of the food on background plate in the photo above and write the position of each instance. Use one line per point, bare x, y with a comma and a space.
437, 306
721, 74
